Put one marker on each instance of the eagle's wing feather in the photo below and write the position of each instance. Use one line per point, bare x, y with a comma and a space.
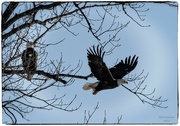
123, 68
97, 65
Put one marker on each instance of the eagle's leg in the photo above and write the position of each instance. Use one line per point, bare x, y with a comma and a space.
95, 92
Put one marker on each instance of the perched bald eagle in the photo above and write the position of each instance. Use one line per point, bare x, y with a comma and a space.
29, 60
108, 78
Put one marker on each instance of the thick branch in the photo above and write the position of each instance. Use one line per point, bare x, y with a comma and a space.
39, 72
49, 75
7, 13
46, 74
25, 25
14, 30
33, 10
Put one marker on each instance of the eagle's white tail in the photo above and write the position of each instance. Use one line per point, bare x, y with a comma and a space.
88, 86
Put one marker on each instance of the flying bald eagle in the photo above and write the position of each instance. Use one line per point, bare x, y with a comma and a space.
108, 78
29, 60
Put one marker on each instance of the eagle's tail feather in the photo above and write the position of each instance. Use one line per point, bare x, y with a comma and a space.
29, 75
88, 86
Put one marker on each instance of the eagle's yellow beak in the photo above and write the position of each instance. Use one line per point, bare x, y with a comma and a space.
126, 82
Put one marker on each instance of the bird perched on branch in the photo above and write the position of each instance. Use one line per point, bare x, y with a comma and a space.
108, 78
29, 60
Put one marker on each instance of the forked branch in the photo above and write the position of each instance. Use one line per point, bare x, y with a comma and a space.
148, 98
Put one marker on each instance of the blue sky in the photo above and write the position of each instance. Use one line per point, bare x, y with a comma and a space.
157, 49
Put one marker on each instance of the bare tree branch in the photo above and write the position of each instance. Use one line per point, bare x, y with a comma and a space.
124, 9
89, 115
89, 24
9, 10
139, 91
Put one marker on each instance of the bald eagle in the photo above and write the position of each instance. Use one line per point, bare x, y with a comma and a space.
108, 78
29, 60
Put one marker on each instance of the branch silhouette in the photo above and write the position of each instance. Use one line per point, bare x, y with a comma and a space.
139, 91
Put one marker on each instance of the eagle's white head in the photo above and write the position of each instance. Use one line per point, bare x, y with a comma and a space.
121, 81
30, 45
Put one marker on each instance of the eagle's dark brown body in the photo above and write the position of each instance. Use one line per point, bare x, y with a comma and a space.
29, 61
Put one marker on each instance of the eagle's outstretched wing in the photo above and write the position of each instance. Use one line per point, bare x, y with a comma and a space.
98, 67
123, 68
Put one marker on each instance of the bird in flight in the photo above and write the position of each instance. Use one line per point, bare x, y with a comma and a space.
107, 78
